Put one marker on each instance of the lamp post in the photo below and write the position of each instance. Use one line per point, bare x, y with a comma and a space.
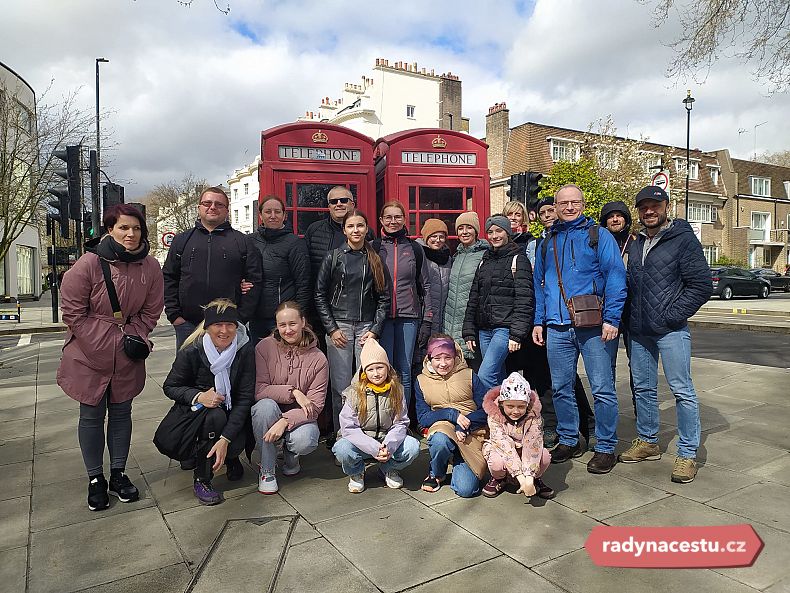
95, 201
688, 102
754, 158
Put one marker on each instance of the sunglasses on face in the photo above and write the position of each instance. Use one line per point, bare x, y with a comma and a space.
335, 201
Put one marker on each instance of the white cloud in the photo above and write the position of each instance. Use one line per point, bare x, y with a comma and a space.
190, 89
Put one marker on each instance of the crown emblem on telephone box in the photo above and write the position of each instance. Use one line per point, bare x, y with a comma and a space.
320, 138
439, 142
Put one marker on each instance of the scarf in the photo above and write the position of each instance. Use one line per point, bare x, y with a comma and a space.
220, 366
438, 256
397, 234
109, 249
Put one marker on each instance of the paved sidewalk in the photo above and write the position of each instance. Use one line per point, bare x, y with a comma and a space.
315, 536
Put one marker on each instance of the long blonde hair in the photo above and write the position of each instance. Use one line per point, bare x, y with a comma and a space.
221, 305
396, 394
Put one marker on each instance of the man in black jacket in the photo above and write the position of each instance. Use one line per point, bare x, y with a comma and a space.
208, 262
668, 281
327, 234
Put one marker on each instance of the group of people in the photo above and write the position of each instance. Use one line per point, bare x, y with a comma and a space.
392, 336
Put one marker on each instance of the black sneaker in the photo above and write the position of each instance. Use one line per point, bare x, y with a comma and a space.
97, 493
235, 471
562, 453
601, 463
122, 487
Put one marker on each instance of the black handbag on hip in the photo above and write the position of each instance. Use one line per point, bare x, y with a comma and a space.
176, 436
134, 347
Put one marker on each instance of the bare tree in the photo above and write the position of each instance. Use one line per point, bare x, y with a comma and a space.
28, 136
172, 206
188, 3
776, 158
754, 31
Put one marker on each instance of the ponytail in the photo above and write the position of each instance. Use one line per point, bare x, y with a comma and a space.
376, 267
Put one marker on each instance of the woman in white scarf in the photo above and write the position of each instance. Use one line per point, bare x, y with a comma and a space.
213, 377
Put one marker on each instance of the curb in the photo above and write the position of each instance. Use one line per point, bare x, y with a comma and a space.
749, 327
18, 331
744, 311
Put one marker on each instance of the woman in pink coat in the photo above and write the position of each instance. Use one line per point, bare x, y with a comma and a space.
514, 451
94, 369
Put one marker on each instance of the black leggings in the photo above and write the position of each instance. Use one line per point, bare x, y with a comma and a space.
213, 423
90, 431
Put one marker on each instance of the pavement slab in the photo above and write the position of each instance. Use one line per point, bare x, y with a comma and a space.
576, 573
771, 565
15, 519
763, 502
777, 470
16, 450
373, 540
60, 566
316, 567
772, 435
13, 568
65, 503
526, 530
16, 429
66, 464
724, 450
17, 480
170, 579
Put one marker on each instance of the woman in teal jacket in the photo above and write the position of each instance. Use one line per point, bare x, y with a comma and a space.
465, 263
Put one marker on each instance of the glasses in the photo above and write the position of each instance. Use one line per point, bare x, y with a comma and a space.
393, 218
571, 204
207, 204
335, 201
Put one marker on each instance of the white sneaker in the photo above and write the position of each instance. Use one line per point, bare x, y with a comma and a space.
291, 465
392, 479
267, 483
356, 484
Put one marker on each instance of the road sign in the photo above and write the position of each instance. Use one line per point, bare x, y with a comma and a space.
697, 228
661, 179
167, 238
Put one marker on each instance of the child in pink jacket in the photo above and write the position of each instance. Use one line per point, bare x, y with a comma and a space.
514, 451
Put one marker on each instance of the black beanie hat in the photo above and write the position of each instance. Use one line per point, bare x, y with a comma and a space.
544, 202
213, 315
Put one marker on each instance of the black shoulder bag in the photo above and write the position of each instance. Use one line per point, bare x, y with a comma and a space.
133, 346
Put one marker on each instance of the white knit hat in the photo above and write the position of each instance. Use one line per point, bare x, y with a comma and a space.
515, 388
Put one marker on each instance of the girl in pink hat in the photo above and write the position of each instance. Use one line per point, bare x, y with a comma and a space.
514, 450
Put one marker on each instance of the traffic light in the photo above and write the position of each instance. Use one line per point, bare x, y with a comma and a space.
532, 188
87, 226
68, 205
113, 194
517, 185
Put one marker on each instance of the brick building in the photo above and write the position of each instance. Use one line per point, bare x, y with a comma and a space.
740, 209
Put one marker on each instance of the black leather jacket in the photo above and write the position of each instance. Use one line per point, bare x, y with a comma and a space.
345, 291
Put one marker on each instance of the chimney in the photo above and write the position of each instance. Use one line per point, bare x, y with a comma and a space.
497, 136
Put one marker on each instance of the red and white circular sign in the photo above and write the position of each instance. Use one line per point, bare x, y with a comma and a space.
167, 238
661, 179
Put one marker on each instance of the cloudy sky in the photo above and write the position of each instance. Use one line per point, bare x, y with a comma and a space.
190, 88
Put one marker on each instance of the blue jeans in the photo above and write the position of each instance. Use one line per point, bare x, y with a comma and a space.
493, 346
442, 449
352, 460
344, 362
675, 351
183, 331
398, 338
564, 344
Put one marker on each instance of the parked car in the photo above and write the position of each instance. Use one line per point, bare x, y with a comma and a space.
730, 282
778, 282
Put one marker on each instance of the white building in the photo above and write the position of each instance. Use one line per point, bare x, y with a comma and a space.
243, 192
395, 98
20, 269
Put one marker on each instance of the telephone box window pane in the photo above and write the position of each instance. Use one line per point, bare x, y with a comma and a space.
307, 217
469, 201
413, 230
312, 195
289, 194
447, 217
441, 198
412, 198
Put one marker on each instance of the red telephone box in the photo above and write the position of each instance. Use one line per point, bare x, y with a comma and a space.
302, 161
434, 173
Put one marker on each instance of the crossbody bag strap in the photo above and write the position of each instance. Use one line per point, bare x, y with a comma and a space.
559, 272
114, 303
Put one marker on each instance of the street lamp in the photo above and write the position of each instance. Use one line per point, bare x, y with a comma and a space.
688, 102
95, 202
755, 138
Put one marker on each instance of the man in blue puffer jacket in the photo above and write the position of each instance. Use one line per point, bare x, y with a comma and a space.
585, 269
668, 281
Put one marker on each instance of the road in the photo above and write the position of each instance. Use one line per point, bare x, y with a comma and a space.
760, 348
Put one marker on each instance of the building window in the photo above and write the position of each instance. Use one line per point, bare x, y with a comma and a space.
652, 163
702, 212
247, 212
711, 253
26, 264
680, 168
246, 189
236, 193
410, 111
714, 175
787, 189
760, 186
564, 150
236, 216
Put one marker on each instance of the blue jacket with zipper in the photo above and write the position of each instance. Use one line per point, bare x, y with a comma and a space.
585, 270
